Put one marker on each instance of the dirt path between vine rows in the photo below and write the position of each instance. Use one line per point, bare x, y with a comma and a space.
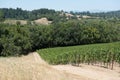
91, 72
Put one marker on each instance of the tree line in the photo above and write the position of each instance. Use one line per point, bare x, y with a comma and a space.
21, 39
104, 15
50, 14
19, 14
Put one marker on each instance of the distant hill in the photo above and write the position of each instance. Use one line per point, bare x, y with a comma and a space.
52, 15
111, 14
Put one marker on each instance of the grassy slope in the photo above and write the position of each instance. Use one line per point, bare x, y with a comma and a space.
30, 67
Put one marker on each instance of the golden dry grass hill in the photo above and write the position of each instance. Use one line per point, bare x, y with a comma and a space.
32, 67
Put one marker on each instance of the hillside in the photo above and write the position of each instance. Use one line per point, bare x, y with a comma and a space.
32, 67
59, 40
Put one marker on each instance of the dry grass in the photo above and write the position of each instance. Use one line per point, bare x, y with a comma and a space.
43, 21
31, 67
9, 21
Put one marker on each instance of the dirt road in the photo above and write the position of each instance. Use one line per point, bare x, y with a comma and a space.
91, 72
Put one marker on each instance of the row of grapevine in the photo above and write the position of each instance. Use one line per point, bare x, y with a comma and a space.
105, 55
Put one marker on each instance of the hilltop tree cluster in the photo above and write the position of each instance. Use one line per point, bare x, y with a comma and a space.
20, 14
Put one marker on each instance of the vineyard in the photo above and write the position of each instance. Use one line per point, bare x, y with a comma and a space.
105, 55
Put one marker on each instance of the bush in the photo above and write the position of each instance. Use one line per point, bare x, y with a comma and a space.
14, 40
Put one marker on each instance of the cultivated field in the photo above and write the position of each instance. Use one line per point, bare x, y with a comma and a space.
103, 55
91, 61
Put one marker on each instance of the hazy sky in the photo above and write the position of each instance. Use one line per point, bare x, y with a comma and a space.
67, 5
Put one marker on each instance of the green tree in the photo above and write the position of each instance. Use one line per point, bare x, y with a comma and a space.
1, 15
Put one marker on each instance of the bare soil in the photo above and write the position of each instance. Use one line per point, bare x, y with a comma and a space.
91, 72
